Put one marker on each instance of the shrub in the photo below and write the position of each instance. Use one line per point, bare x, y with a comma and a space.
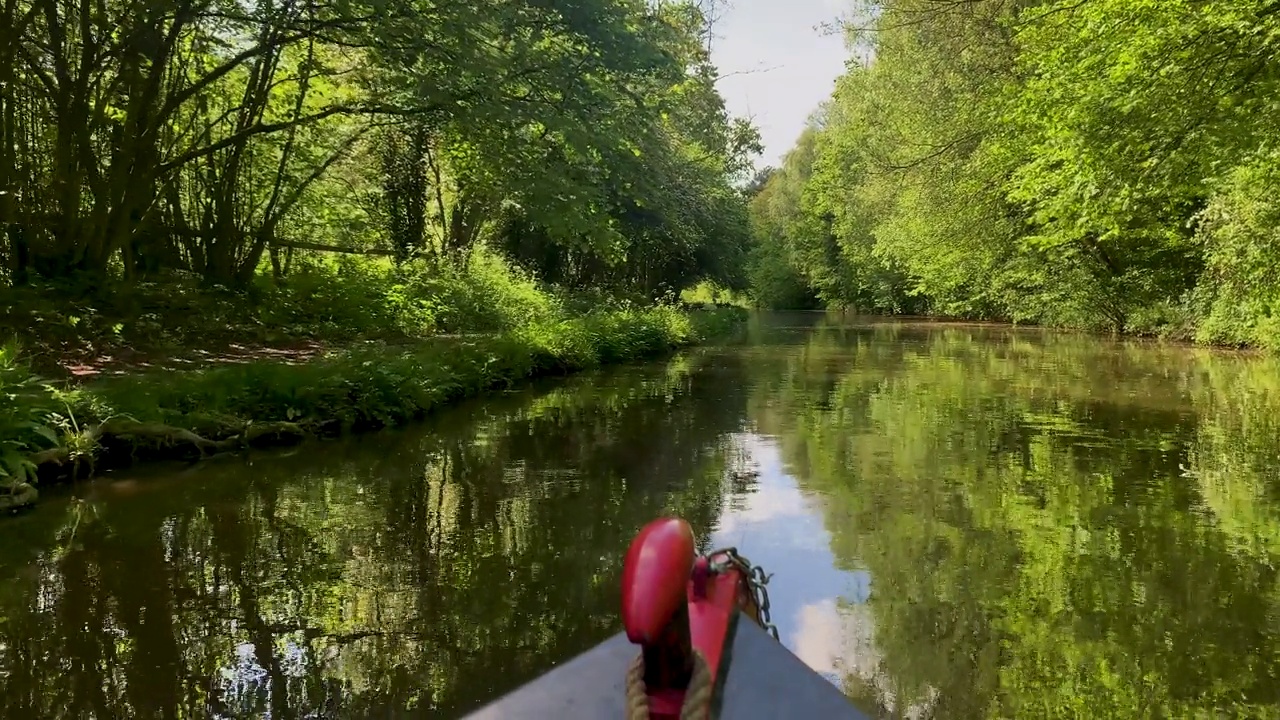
1239, 293
26, 406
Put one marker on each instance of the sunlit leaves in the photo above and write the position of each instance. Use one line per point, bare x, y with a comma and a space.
244, 129
1051, 161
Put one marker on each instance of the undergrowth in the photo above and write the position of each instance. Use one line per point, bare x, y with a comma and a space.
333, 301
392, 344
26, 409
353, 389
381, 385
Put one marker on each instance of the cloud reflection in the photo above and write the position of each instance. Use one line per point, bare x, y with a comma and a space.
837, 639
834, 641
775, 502
817, 606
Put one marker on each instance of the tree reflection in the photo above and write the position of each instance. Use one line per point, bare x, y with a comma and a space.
1054, 526
411, 573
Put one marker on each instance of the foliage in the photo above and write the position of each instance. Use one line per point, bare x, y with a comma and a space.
178, 177
1238, 229
331, 301
338, 344
1102, 164
320, 305
138, 140
457, 193
358, 388
25, 408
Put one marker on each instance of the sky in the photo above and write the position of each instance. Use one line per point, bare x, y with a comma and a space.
787, 65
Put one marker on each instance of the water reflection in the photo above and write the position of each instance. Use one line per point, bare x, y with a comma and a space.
1053, 525
963, 522
412, 573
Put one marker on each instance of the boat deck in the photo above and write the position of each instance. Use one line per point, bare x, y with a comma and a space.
765, 682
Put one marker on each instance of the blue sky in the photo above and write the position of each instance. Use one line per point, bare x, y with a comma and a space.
788, 66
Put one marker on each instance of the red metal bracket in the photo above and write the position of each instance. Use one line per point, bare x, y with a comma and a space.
673, 602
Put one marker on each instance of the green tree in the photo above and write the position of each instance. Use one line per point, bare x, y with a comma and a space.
1100, 164
147, 138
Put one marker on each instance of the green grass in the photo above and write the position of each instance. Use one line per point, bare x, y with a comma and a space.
381, 386
356, 389
388, 345
334, 301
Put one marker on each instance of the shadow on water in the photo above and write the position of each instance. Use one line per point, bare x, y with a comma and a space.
964, 521
413, 572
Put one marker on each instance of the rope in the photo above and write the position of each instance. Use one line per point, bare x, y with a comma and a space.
637, 698
697, 697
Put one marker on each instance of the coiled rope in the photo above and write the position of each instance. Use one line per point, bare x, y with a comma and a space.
697, 697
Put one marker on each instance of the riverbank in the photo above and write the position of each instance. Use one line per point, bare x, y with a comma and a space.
58, 431
1179, 336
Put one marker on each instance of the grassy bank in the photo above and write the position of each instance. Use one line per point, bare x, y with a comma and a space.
176, 321
56, 431
381, 353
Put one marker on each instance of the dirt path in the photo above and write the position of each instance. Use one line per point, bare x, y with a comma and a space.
83, 367
121, 361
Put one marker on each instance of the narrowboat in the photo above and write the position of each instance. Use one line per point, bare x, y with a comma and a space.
697, 642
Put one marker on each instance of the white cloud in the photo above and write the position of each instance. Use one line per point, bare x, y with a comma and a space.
838, 641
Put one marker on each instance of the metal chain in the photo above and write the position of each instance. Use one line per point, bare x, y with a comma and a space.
756, 578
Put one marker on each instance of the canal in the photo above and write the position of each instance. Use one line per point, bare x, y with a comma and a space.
963, 521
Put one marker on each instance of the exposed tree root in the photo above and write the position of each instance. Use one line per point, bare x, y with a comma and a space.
272, 433
17, 496
120, 442
162, 436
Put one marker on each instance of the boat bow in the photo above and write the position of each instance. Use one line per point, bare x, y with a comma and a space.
697, 658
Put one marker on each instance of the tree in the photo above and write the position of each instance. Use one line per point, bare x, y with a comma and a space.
1094, 164
204, 137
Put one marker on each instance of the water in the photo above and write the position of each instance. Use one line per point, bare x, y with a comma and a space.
963, 522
